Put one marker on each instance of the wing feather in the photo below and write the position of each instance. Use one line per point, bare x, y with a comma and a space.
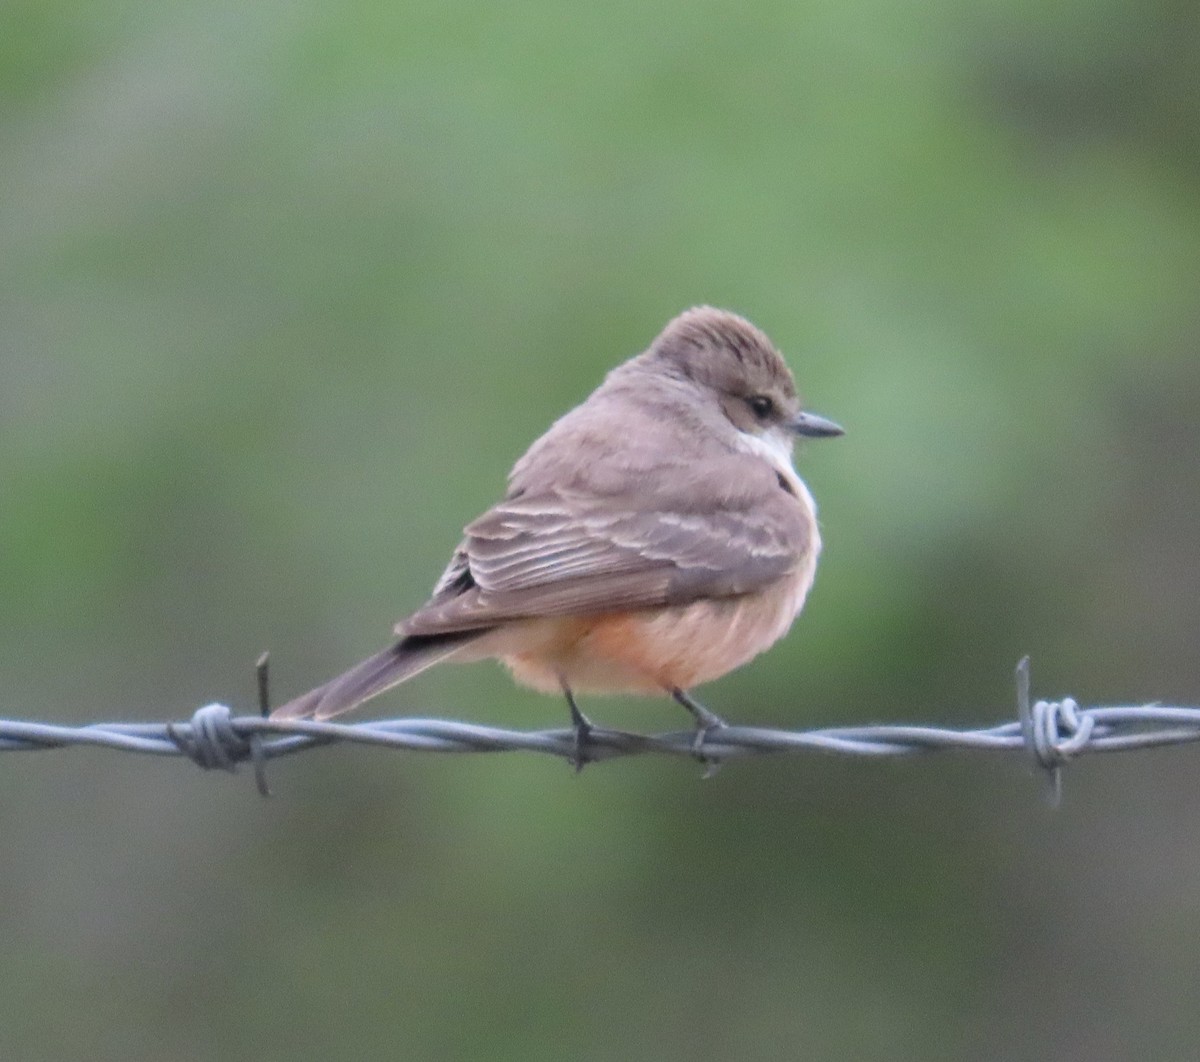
564, 553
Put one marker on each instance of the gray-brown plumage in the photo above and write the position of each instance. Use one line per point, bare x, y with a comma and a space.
655, 537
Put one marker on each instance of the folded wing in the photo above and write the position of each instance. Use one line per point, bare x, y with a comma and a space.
561, 554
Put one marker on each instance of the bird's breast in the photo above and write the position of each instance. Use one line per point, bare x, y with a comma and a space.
651, 650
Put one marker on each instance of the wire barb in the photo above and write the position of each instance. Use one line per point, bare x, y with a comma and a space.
1050, 733
212, 740
262, 680
1054, 732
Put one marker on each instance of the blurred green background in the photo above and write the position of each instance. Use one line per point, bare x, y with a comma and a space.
286, 287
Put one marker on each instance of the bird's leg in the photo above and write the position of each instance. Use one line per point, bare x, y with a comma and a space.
706, 722
583, 729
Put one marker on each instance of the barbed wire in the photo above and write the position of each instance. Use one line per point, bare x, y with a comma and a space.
1050, 733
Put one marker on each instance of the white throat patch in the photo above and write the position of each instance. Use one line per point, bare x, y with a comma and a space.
775, 447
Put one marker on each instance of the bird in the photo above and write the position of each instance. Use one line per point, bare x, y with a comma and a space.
655, 538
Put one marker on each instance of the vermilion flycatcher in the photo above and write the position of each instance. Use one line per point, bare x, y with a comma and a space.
656, 537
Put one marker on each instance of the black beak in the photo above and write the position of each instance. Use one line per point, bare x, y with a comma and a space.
814, 427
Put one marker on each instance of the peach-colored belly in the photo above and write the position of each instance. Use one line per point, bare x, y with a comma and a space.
650, 650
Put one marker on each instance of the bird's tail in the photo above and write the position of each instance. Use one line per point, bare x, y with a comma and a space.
408, 657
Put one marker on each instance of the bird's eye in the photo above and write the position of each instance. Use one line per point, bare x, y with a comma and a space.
761, 406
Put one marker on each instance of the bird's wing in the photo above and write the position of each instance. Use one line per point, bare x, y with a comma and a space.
564, 553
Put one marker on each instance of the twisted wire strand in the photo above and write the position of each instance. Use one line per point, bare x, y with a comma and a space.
1050, 733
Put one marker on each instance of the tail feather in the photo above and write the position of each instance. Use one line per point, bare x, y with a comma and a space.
408, 657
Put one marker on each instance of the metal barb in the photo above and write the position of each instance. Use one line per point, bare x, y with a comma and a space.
1051, 779
1047, 768
259, 761
1054, 732
262, 674
212, 742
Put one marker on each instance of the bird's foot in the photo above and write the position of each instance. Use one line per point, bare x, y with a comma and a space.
583, 732
706, 723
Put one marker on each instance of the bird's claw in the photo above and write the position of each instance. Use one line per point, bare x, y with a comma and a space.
583, 738
712, 764
583, 728
706, 723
